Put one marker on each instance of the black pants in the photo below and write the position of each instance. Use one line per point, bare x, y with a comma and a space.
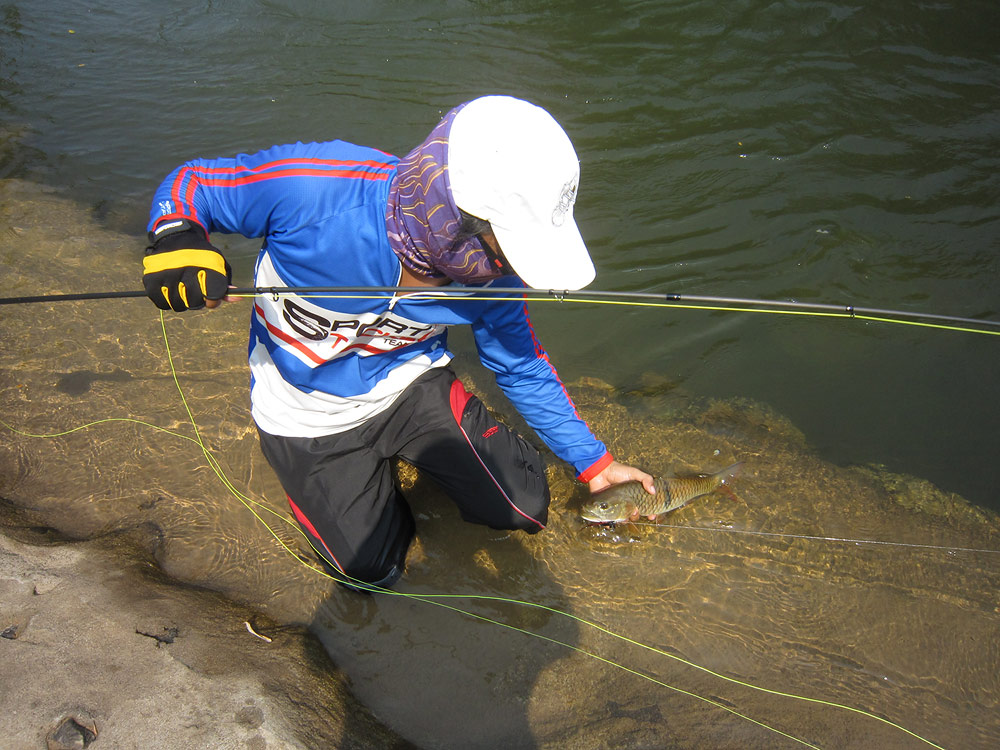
341, 486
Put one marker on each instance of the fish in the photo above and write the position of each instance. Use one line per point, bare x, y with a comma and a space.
628, 500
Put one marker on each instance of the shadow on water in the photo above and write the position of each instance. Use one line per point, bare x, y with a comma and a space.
450, 671
765, 592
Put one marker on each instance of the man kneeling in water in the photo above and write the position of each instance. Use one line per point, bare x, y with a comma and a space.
340, 387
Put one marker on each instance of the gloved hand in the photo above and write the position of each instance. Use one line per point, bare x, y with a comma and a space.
182, 269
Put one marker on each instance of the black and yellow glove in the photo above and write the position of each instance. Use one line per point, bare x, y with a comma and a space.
182, 269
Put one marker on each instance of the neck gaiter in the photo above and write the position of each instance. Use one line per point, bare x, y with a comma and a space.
423, 221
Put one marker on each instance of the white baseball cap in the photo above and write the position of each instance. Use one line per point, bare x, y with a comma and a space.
511, 164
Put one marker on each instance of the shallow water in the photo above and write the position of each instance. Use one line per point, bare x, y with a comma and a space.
763, 591
811, 151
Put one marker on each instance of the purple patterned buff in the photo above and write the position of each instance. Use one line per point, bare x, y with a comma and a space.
422, 219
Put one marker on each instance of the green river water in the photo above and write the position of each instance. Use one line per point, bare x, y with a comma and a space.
811, 151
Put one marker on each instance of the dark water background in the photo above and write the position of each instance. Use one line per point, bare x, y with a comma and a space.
815, 151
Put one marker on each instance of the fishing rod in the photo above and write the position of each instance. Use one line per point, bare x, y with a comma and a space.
657, 299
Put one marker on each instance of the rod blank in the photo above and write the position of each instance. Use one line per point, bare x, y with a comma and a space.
553, 294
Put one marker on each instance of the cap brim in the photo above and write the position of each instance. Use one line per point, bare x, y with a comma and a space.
547, 257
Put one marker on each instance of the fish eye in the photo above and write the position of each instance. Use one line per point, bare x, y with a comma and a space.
603, 506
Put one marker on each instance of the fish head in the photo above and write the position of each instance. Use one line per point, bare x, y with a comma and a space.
606, 510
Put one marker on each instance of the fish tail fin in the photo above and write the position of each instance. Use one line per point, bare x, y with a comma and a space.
730, 472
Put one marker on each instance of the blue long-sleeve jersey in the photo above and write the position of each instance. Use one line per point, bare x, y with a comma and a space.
320, 366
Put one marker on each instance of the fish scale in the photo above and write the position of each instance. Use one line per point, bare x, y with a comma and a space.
623, 501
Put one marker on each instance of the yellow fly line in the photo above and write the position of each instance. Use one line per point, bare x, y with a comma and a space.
594, 297
442, 600
552, 296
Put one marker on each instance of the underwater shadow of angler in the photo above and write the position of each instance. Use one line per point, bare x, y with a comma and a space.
440, 677
78, 382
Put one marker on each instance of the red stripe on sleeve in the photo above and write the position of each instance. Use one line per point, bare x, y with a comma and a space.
189, 178
596, 468
345, 164
234, 181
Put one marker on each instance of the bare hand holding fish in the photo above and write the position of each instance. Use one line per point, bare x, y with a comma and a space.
629, 500
616, 473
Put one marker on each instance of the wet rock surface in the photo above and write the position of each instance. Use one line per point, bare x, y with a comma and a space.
99, 652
